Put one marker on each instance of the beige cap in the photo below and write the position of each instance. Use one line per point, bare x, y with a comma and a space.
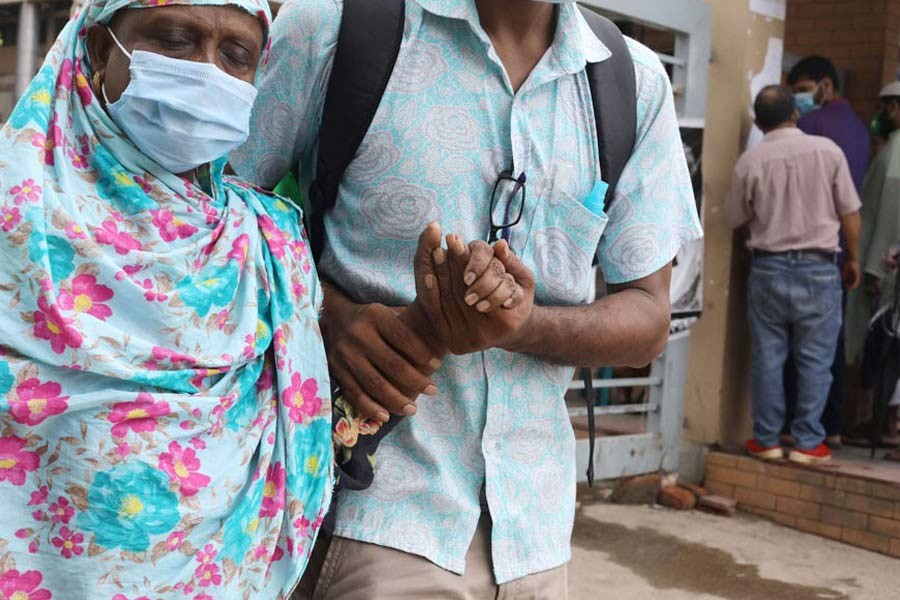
890, 90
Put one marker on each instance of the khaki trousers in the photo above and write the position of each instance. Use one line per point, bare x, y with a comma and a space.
351, 570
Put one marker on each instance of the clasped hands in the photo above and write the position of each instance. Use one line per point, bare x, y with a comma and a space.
469, 298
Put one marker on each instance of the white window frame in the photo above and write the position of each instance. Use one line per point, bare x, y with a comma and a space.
690, 20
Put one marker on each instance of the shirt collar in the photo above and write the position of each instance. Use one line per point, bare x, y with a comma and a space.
452, 9
779, 134
593, 49
574, 46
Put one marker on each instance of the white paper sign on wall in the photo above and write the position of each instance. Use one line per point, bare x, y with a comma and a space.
777, 9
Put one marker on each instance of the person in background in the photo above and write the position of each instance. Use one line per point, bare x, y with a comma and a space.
796, 194
823, 111
880, 221
890, 264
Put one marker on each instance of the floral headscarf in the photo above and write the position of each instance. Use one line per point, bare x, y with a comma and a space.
164, 406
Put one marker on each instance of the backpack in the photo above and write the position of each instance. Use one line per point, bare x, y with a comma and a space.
367, 47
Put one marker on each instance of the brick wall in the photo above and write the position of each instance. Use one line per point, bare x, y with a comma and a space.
862, 37
849, 509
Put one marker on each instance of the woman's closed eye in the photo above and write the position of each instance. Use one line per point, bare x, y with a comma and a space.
176, 42
237, 56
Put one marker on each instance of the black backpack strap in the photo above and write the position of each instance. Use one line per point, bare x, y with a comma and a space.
590, 399
614, 94
367, 48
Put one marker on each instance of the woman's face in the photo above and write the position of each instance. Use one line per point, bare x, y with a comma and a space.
225, 36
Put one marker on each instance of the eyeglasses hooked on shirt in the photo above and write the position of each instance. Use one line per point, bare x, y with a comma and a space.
507, 205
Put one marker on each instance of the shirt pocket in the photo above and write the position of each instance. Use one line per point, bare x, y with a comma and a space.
560, 249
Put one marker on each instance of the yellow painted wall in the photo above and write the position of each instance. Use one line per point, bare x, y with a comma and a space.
716, 399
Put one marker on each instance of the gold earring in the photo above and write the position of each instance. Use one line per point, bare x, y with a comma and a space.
96, 84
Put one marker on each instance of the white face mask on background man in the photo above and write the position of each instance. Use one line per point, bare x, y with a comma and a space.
181, 113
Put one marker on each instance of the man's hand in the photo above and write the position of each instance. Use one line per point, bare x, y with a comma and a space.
381, 364
851, 275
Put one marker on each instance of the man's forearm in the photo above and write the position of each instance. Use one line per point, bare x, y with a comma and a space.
627, 328
850, 225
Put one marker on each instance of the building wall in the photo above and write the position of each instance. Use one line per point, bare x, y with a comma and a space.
747, 51
7, 80
862, 37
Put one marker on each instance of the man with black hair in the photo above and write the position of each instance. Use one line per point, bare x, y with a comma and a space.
795, 193
823, 111
487, 125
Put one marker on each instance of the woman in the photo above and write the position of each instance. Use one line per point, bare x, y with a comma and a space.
164, 407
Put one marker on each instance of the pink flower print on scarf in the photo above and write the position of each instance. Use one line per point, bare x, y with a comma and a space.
39, 496
176, 359
15, 585
50, 325
10, 217
27, 191
39, 141
171, 228
145, 185
140, 416
240, 249
69, 542
221, 319
150, 292
61, 511
175, 540
208, 575
87, 297
182, 466
69, 77
15, 462
79, 161
302, 398
34, 402
273, 491
110, 235
74, 231
273, 235
49, 142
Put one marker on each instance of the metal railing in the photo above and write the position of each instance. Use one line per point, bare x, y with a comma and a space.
657, 448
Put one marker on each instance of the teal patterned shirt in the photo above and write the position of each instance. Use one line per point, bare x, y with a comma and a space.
448, 125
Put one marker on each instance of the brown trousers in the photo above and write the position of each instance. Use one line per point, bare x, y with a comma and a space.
349, 570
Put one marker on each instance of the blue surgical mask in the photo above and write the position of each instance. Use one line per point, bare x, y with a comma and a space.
181, 113
805, 102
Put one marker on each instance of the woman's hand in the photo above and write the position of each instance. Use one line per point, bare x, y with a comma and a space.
474, 296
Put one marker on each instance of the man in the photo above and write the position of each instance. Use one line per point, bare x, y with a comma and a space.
880, 220
475, 495
796, 194
824, 112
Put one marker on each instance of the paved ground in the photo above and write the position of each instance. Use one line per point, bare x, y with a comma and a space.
645, 553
